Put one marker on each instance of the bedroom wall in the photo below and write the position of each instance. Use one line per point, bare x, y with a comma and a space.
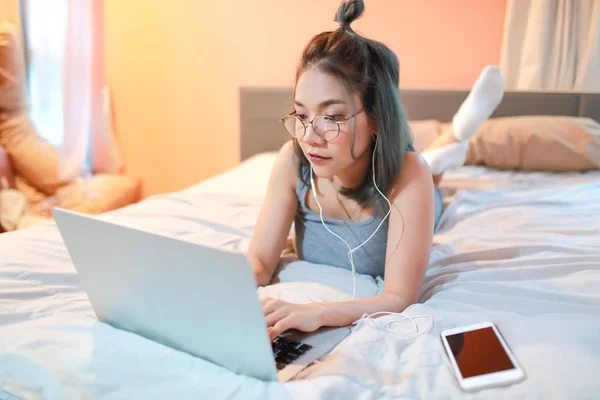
175, 68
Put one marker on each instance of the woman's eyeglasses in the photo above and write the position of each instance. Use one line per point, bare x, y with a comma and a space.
326, 127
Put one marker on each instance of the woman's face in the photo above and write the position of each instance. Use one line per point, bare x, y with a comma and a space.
320, 94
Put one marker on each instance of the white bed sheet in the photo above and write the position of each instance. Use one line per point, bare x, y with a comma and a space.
520, 249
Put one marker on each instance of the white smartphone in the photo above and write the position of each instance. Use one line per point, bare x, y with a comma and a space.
480, 357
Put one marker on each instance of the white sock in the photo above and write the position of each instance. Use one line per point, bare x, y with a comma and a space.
449, 156
484, 97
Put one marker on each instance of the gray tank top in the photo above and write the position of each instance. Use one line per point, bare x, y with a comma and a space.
317, 245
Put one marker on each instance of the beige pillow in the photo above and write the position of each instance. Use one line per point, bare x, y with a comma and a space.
34, 158
98, 194
12, 63
33, 195
31, 156
424, 132
537, 143
7, 175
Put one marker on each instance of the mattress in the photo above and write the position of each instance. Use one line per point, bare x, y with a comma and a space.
521, 249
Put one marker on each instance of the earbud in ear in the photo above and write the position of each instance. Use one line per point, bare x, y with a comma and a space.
312, 184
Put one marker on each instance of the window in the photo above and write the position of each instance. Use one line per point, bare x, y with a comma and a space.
45, 24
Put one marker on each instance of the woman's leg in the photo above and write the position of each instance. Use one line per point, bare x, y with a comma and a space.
452, 153
450, 148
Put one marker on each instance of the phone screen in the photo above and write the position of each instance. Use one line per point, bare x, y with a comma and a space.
479, 352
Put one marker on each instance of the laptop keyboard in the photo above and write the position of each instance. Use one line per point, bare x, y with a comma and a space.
286, 351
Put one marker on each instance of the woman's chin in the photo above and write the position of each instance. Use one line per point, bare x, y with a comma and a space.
322, 171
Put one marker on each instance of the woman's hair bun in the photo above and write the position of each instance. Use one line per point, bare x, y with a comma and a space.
349, 11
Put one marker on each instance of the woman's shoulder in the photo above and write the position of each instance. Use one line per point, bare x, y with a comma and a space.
415, 173
414, 163
287, 163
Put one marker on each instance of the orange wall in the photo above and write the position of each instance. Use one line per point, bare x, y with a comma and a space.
175, 67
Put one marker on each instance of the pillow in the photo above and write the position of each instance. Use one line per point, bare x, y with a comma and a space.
95, 195
34, 158
6, 170
32, 195
536, 143
424, 133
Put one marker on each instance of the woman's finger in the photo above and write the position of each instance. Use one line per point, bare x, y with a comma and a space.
275, 316
281, 326
270, 305
265, 300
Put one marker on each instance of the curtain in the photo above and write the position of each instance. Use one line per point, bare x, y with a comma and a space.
70, 103
552, 45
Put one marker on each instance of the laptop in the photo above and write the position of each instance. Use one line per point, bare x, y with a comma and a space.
193, 298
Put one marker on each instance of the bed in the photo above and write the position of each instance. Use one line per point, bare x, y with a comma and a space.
519, 248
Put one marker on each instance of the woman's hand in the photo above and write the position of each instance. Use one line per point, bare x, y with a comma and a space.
281, 316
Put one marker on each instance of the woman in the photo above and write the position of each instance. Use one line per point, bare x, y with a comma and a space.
348, 119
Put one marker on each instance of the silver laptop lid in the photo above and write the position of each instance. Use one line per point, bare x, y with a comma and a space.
193, 298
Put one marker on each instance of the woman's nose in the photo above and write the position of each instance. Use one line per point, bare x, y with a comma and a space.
311, 136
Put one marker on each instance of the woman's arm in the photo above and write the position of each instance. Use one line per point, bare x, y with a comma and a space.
410, 237
275, 218
281, 316
410, 234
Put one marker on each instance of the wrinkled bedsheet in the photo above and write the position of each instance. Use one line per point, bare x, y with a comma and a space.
521, 249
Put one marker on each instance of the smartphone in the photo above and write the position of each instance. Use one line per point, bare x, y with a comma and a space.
480, 357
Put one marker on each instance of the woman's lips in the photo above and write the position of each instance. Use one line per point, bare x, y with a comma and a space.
316, 159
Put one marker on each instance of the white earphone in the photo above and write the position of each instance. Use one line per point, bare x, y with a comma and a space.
352, 250
389, 327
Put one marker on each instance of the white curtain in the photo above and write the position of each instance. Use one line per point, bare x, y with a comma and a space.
70, 105
552, 45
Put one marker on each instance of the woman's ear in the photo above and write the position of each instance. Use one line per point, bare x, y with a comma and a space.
372, 127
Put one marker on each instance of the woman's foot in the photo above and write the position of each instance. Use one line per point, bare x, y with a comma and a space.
484, 97
450, 148
449, 156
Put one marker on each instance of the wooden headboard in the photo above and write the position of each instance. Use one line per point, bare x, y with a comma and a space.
261, 108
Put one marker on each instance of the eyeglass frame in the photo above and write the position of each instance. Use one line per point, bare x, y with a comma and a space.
305, 124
